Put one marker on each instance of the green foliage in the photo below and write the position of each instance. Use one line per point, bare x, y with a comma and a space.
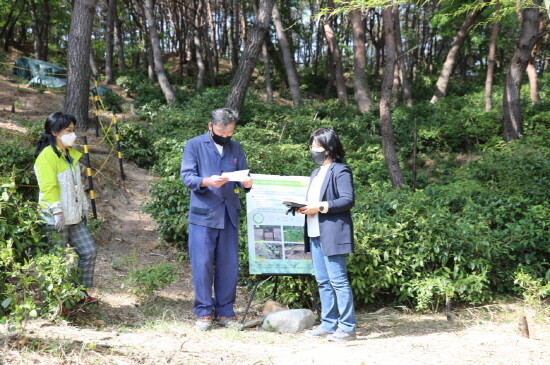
17, 160
135, 142
34, 279
534, 290
112, 101
464, 239
146, 281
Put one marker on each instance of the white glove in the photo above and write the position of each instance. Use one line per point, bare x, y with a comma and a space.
59, 222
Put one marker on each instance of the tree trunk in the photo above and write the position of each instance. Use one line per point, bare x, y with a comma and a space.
93, 67
267, 67
167, 90
452, 56
336, 59
511, 122
531, 69
362, 97
109, 40
256, 37
40, 15
288, 59
491, 64
78, 58
386, 128
119, 42
267, 75
533, 82
198, 46
401, 65
234, 27
212, 35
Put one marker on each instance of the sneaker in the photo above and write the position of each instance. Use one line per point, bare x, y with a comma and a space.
341, 335
318, 332
229, 322
88, 299
204, 323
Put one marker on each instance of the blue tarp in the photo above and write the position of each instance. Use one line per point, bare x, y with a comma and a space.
40, 73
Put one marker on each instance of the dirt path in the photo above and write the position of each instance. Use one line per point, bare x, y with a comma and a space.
121, 330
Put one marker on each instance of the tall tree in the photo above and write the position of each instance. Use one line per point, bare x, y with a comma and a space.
198, 29
401, 65
511, 109
256, 37
288, 59
337, 68
165, 85
109, 40
78, 58
41, 19
119, 42
362, 97
386, 128
452, 56
531, 69
491, 61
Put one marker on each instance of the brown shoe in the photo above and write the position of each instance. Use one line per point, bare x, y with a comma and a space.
66, 311
88, 299
204, 323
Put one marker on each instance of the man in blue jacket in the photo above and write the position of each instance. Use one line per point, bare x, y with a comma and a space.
214, 217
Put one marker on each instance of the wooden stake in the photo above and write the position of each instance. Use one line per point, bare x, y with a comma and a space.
522, 325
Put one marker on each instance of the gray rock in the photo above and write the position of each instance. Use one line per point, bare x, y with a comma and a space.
289, 321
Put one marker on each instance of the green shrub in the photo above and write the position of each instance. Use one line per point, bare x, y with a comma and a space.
112, 101
34, 279
144, 282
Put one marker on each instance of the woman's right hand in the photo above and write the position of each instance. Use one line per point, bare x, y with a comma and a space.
59, 220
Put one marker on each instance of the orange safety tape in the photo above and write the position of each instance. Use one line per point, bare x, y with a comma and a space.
19, 135
104, 162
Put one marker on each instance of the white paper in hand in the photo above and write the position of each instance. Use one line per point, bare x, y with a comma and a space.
239, 176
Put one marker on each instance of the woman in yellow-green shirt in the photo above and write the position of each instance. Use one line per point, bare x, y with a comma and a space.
62, 198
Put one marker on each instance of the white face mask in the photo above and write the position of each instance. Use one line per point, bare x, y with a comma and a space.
68, 139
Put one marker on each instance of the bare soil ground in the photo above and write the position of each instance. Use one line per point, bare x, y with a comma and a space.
123, 330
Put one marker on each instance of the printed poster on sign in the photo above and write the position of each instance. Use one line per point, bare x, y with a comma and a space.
275, 238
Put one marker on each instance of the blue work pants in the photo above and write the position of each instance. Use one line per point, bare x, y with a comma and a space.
214, 262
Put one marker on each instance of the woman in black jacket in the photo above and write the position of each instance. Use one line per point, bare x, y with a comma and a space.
329, 234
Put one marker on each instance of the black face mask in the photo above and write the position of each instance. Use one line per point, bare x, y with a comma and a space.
222, 141
318, 157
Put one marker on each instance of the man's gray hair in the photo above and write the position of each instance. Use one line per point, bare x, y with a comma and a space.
224, 116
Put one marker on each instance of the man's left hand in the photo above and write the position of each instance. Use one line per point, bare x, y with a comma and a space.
247, 183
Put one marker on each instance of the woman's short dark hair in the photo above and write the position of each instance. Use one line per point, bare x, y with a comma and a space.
56, 122
329, 140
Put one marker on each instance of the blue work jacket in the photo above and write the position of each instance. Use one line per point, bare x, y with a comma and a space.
208, 204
